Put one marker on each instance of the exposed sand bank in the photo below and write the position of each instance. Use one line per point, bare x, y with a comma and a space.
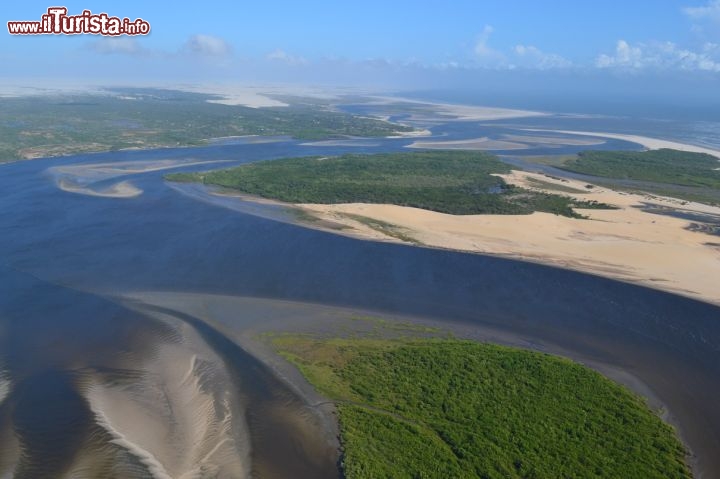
364, 143
505, 142
627, 244
123, 189
426, 110
483, 143
89, 179
649, 143
412, 134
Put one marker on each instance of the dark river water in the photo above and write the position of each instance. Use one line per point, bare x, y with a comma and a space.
63, 253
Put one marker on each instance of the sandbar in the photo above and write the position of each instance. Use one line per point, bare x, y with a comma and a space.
647, 142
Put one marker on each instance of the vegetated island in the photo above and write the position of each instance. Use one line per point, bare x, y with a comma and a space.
681, 174
63, 124
432, 408
453, 182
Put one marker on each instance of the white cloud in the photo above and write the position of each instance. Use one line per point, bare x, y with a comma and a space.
117, 45
207, 45
710, 11
484, 52
661, 56
284, 57
625, 56
532, 57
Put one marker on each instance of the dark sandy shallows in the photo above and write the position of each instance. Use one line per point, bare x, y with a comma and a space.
93, 389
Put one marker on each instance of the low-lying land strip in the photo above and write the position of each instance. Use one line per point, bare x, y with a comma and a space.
69, 123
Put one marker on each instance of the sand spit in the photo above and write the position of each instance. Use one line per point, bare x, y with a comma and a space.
93, 179
554, 140
627, 244
423, 110
363, 143
649, 143
412, 134
505, 142
123, 189
483, 143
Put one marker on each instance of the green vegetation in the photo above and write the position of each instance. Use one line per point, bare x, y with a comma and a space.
39, 126
455, 182
658, 166
428, 408
679, 174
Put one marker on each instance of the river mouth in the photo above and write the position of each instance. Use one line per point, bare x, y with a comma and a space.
73, 319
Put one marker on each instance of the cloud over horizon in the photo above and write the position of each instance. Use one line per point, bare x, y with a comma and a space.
207, 46
661, 56
117, 45
710, 12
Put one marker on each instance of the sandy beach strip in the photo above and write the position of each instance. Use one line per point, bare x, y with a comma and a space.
647, 142
452, 111
483, 143
626, 244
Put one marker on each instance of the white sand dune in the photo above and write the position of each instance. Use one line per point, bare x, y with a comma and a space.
627, 244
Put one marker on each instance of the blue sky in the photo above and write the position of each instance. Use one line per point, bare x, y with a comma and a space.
379, 43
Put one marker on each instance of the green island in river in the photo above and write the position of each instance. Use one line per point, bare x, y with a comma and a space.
454, 182
441, 408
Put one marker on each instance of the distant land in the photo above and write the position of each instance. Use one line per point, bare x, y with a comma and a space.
65, 123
